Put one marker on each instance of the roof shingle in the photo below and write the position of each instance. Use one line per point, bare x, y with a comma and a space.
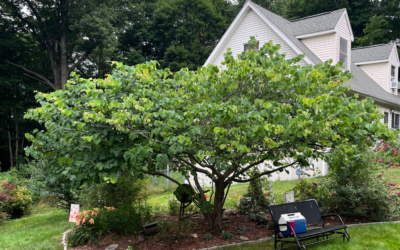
371, 53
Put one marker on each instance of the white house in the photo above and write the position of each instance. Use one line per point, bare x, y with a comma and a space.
320, 37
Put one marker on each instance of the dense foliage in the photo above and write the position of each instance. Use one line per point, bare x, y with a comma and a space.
125, 192
92, 224
357, 186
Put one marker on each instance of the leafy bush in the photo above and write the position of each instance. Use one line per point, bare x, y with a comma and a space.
226, 235
14, 200
208, 237
359, 190
321, 192
255, 191
176, 229
173, 205
92, 224
89, 229
127, 219
123, 192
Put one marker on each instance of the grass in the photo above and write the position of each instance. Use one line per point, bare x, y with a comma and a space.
41, 230
377, 237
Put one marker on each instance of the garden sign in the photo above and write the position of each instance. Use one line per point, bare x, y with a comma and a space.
73, 212
289, 197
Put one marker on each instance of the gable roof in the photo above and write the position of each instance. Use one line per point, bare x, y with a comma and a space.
317, 23
361, 83
375, 54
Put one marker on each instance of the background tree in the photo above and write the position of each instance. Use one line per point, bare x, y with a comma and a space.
67, 30
17, 93
263, 109
177, 33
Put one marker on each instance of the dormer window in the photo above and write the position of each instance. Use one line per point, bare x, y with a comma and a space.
343, 52
393, 74
247, 46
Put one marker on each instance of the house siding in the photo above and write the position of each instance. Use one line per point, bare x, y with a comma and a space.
379, 73
342, 31
321, 46
393, 61
253, 25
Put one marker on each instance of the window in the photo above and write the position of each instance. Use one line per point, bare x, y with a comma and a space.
343, 52
393, 74
247, 46
386, 119
395, 120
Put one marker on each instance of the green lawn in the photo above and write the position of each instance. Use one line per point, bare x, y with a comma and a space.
41, 230
377, 237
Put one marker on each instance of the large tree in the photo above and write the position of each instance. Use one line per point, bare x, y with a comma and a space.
176, 33
263, 109
17, 93
67, 30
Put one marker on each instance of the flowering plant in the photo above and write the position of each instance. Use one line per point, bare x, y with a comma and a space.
16, 201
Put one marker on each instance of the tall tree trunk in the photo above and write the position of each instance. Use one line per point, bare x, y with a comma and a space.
64, 44
10, 148
16, 136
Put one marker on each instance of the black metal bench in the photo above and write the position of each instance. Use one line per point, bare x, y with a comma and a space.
310, 210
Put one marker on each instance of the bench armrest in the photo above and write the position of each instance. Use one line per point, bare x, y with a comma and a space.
329, 215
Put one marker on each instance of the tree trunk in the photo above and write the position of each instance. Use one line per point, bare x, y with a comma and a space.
64, 44
10, 147
16, 137
215, 219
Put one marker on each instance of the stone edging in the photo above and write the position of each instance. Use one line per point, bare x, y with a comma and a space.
270, 238
64, 242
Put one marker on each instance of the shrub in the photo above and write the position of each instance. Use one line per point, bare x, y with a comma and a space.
321, 192
357, 188
255, 191
89, 229
208, 237
123, 192
14, 200
92, 224
226, 235
127, 219
173, 205
176, 229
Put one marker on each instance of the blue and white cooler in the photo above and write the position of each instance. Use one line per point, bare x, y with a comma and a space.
296, 221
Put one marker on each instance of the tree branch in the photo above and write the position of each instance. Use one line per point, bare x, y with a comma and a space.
264, 173
44, 79
163, 175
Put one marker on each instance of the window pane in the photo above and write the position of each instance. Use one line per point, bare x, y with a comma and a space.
386, 119
343, 46
246, 47
393, 73
396, 121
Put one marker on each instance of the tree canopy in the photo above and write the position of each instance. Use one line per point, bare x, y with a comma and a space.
262, 109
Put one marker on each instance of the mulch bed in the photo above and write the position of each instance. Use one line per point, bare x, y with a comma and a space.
234, 220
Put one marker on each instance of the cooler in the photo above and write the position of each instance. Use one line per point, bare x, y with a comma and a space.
295, 219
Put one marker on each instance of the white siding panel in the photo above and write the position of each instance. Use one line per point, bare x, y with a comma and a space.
322, 46
393, 61
253, 25
343, 31
379, 73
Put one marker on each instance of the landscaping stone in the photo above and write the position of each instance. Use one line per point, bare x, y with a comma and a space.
112, 247
243, 238
194, 235
243, 229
